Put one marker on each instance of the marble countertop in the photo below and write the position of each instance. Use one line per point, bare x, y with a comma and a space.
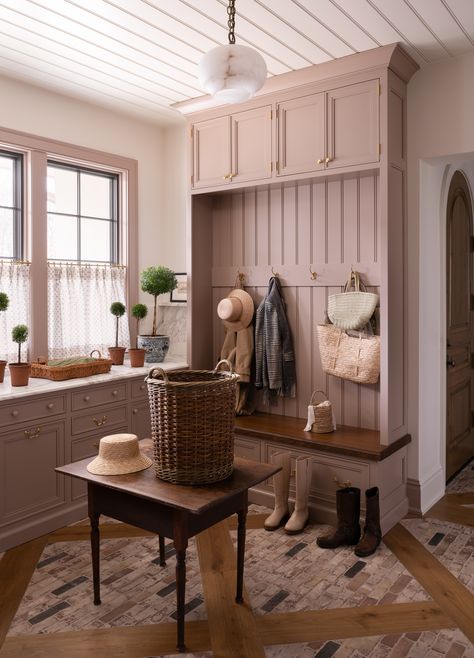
38, 386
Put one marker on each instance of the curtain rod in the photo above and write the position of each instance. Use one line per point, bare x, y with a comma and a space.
56, 263
14, 261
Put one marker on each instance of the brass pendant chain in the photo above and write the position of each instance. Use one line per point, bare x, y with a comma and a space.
231, 20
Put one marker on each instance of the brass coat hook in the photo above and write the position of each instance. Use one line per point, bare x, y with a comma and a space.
314, 275
275, 273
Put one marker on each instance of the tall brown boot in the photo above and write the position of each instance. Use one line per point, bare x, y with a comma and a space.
372, 533
348, 528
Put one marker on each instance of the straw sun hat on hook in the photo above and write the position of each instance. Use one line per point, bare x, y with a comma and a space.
119, 454
236, 310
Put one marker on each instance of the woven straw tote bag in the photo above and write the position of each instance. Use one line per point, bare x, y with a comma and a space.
323, 414
352, 309
354, 358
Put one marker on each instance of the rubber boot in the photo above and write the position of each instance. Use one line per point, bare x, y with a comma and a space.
348, 527
281, 488
300, 515
372, 533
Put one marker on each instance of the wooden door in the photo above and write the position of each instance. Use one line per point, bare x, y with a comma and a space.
301, 135
353, 125
211, 152
459, 435
252, 144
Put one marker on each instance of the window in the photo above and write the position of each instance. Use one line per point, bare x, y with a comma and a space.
11, 213
82, 214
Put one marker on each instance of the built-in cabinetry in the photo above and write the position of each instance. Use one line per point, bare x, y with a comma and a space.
333, 200
53, 424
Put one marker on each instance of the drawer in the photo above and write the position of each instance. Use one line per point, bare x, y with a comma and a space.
139, 389
93, 397
247, 448
102, 419
35, 409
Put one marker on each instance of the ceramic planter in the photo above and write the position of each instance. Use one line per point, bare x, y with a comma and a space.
156, 347
117, 354
19, 373
2, 370
137, 357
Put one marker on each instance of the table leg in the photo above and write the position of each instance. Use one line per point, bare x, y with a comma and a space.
162, 551
180, 541
242, 516
95, 541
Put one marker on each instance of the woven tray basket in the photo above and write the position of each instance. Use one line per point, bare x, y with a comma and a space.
192, 424
80, 367
323, 415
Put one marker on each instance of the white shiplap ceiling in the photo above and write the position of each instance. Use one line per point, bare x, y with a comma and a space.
140, 56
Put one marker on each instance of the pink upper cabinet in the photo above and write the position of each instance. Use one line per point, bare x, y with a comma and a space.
211, 152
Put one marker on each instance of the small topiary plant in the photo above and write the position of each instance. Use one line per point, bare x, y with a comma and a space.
20, 335
4, 301
157, 281
139, 311
117, 309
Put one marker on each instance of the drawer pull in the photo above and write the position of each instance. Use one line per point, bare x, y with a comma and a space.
32, 434
50, 406
342, 485
320, 161
115, 392
86, 398
134, 411
328, 160
142, 387
98, 422
15, 413
96, 445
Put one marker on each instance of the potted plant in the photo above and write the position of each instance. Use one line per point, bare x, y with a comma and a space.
156, 281
4, 301
19, 372
117, 353
137, 354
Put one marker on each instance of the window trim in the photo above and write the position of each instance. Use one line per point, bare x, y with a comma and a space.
18, 207
37, 151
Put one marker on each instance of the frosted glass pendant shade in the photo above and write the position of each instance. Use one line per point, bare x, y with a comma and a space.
232, 73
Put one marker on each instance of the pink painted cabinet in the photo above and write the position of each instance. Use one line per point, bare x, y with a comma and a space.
338, 128
232, 149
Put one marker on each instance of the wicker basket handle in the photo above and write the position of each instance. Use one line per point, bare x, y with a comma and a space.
93, 352
318, 391
161, 374
228, 364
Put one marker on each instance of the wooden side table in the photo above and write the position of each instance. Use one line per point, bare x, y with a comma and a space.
169, 510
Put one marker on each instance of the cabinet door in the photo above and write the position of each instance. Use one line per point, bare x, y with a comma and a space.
141, 421
301, 135
353, 125
252, 145
211, 152
28, 482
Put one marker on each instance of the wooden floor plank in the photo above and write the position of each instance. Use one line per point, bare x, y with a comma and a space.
232, 626
117, 642
454, 599
107, 531
340, 623
451, 508
16, 568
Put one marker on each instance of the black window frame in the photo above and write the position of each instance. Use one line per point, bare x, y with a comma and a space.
114, 221
18, 208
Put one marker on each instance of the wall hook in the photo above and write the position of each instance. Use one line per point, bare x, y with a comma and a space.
275, 273
314, 275
240, 278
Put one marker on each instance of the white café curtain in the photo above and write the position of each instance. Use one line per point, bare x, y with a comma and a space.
15, 282
79, 299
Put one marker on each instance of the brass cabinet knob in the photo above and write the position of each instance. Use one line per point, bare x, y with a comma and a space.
134, 411
115, 392
342, 484
328, 160
98, 422
32, 434
15, 413
320, 161
50, 405
226, 177
96, 445
86, 398
142, 387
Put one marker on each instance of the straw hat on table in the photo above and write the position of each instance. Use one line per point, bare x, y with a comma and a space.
119, 454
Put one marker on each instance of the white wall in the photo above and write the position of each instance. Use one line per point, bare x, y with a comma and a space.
440, 139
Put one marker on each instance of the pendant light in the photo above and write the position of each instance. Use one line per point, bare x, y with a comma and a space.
232, 73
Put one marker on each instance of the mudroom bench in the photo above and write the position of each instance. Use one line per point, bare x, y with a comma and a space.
349, 456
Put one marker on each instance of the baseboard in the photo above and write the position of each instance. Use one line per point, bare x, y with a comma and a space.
423, 495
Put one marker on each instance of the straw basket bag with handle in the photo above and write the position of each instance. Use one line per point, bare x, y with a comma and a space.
320, 415
192, 423
352, 309
356, 358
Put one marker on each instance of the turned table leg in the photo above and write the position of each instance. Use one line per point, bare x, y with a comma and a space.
95, 542
242, 516
162, 551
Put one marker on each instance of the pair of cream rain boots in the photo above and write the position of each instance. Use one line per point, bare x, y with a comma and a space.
281, 487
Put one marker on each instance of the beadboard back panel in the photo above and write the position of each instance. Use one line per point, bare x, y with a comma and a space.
325, 227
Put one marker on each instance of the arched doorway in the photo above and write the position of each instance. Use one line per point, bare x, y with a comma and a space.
459, 306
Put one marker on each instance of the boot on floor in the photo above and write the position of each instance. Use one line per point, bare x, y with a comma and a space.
372, 533
299, 517
281, 488
348, 527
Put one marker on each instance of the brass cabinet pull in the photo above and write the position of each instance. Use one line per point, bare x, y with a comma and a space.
86, 398
50, 405
115, 392
328, 160
15, 413
227, 176
320, 160
32, 434
134, 411
98, 422
342, 485
95, 445
142, 387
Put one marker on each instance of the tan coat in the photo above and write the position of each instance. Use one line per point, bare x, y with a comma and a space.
238, 348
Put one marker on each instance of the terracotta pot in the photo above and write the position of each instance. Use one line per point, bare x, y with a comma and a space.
19, 373
2, 370
117, 354
137, 357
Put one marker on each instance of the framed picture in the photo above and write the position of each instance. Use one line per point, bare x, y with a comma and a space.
180, 293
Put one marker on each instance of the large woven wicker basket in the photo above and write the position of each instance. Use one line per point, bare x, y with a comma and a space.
192, 422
